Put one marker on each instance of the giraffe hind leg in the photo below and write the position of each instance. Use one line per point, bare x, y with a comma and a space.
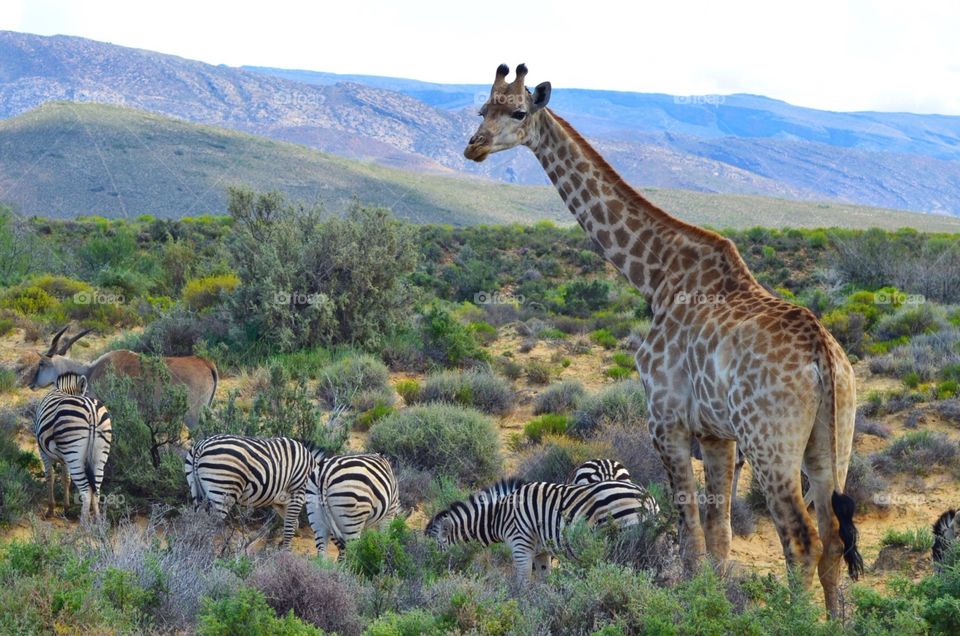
719, 458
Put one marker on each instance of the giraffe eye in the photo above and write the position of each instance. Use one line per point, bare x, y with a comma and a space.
519, 114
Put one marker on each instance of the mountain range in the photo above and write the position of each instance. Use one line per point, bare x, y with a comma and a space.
735, 144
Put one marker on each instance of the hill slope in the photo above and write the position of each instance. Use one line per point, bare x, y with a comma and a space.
64, 159
741, 144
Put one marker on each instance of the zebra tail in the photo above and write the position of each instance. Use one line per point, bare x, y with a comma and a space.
89, 461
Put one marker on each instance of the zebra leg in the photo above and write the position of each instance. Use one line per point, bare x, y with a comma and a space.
291, 519
341, 548
522, 560
50, 471
66, 488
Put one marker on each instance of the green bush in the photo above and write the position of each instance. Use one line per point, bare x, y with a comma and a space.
19, 490
446, 340
409, 390
8, 380
604, 338
562, 397
618, 373
202, 293
449, 440
376, 552
284, 408
28, 301
908, 321
624, 402
547, 424
6, 326
483, 331
247, 612
538, 372
147, 414
582, 298
60, 287
343, 381
475, 388
917, 539
917, 453
415, 622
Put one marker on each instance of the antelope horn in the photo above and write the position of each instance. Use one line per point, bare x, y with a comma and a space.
53, 343
69, 343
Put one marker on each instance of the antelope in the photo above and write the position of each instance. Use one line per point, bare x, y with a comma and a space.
197, 375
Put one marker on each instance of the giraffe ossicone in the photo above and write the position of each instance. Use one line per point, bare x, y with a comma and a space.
726, 361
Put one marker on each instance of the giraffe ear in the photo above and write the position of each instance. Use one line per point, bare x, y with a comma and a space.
541, 96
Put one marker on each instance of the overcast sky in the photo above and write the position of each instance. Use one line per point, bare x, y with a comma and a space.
836, 55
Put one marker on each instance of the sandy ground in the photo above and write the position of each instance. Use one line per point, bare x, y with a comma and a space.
914, 502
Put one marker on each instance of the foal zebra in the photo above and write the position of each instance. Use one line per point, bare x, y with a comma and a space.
347, 493
74, 430
224, 470
531, 518
593, 471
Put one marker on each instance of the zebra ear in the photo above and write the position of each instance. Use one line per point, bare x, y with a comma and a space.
82, 384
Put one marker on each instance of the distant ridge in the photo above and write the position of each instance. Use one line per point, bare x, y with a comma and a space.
65, 159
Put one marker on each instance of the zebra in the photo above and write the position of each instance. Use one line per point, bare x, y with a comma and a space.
224, 470
944, 534
531, 517
597, 470
74, 430
347, 493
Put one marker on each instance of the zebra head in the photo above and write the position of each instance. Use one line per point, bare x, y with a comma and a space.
441, 529
944, 534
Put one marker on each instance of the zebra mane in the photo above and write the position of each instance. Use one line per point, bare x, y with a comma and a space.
944, 523
319, 454
944, 534
72, 383
497, 491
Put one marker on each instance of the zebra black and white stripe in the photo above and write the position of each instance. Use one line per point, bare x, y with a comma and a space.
224, 470
944, 534
74, 430
594, 471
531, 518
347, 493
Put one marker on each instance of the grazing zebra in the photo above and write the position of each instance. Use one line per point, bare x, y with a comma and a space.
224, 470
74, 430
593, 471
531, 518
347, 493
944, 534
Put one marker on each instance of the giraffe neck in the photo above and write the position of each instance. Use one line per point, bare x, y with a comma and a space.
658, 253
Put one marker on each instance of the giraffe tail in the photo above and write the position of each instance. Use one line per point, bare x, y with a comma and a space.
843, 505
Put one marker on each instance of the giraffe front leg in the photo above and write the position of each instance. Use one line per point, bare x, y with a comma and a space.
719, 459
672, 442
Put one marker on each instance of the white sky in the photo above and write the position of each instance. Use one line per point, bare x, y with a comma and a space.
837, 55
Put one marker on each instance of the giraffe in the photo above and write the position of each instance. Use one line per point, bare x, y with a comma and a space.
725, 361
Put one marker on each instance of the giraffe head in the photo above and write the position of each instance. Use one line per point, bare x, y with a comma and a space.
508, 115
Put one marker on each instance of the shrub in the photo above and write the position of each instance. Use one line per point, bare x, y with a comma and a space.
743, 518
604, 338
909, 321
18, 489
147, 415
510, 369
917, 539
409, 390
312, 279
624, 402
28, 301
449, 440
483, 331
375, 553
415, 622
582, 298
412, 485
446, 340
283, 408
326, 598
8, 380
547, 424
476, 388
916, 453
925, 355
562, 397
631, 445
202, 293
538, 372
618, 373
178, 332
555, 459
247, 612
6, 326
341, 383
